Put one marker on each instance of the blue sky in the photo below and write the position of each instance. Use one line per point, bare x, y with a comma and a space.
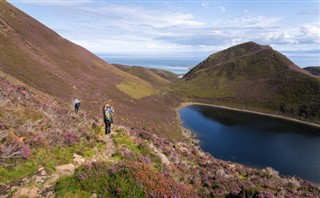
182, 27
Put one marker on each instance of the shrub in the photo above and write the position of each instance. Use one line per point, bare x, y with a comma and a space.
71, 138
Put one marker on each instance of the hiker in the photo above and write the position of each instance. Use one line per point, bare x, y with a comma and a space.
76, 104
107, 111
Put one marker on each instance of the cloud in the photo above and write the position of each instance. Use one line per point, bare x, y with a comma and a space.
134, 15
253, 21
135, 28
222, 9
55, 2
205, 4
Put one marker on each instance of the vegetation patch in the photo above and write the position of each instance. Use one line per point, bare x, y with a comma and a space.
136, 90
126, 179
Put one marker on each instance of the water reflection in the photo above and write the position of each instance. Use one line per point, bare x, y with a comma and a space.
256, 140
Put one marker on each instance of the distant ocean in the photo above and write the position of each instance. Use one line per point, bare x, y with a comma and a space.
182, 64
176, 64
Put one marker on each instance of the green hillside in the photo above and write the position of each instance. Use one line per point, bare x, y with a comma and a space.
254, 77
313, 70
156, 77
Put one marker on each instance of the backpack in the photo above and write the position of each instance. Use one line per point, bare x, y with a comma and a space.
107, 115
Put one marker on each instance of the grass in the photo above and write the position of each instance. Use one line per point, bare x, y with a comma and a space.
42, 157
122, 139
137, 90
102, 179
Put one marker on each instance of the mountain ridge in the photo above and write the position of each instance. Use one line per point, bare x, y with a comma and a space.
256, 77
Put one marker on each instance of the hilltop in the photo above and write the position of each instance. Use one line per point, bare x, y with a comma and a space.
157, 77
255, 77
313, 70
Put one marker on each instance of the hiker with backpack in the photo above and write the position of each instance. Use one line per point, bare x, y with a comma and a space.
107, 111
76, 104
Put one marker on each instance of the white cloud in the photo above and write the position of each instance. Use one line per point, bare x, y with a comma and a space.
205, 4
253, 21
55, 2
222, 9
133, 15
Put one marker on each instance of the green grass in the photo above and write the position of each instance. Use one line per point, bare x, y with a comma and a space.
122, 139
137, 90
99, 179
43, 157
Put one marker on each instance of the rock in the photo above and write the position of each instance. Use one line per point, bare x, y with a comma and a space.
26, 192
78, 160
94, 195
40, 169
53, 178
50, 194
66, 169
13, 188
37, 179
43, 173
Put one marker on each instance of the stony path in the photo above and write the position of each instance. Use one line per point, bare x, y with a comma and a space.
42, 183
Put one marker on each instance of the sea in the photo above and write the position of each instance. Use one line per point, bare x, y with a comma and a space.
176, 64
181, 64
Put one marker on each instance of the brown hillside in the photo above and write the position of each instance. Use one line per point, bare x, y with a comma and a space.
44, 60
157, 77
257, 77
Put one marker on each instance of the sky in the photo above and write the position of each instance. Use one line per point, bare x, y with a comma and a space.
183, 28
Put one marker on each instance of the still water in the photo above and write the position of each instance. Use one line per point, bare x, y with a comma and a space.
255, 140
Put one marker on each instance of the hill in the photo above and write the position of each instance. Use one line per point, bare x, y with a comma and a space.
157, 77
49, 151
313, 70
255, 77
44, 60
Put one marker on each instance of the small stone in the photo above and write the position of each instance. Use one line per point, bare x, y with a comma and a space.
67, 169
26, 192
50, 194
78, 160
39, 180
94, 195
53, 178
43, 173
40, 169
13, 188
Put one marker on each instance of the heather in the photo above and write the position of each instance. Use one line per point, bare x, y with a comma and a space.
47, 150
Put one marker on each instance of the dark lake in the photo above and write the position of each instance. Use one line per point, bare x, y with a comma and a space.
256, 140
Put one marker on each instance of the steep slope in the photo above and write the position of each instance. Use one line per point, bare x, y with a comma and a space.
44, 60
49, 151
313, 70
254, 76
156, 77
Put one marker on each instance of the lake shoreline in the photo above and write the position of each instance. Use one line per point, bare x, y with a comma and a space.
191, 135
184, 104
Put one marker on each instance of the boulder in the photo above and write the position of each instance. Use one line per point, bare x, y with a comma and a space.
53, 178
66, 169
26, 192
78, 160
